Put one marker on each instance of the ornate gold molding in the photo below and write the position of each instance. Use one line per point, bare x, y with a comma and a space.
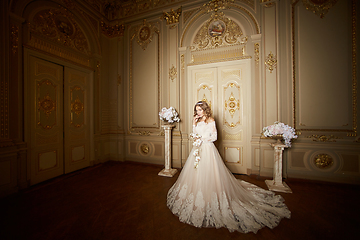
172, 73
270, 62
144, 33
172, 17
116, 30
319, 7
145, 149
59, 26
216, 5
323, 138
14, 38
257, 53
323, 161
218, 31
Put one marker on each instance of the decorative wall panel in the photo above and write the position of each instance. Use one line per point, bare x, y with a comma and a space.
144, 77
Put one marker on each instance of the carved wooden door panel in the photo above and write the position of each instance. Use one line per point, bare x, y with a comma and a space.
76, 120
226, 88
46, 119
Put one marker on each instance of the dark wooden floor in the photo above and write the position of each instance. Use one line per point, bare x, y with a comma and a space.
128, 201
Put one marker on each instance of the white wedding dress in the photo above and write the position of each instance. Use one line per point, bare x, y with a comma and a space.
210, 196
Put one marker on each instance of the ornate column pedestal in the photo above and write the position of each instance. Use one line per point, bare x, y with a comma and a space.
167, 171
277, 184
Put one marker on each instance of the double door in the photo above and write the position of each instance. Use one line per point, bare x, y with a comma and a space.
226, 87
57, 113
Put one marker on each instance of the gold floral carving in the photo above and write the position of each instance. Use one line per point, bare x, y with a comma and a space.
111, 31
218, 31
270, 62
216, 5
145, 148
257, 52
323, 161
319, 7
231, 105
47, 105
323, 138
77, 106
14, 38
172, 17
144, 133
59, 26
172, 73
144, 34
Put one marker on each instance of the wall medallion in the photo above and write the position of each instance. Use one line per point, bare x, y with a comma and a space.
145, 148
323, 161
216, 28
144, 34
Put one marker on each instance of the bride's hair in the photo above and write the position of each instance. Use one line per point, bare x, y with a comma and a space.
205, 107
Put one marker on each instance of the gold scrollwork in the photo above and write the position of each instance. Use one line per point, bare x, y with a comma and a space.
116, 30
172, 73
172, 17
270, 62
257, 53
47, 105
77, 106
145, 149
319, 7
323, 138
323, 161
232, 105
14, 38
144, 133
218, 31
145, 33
216, 5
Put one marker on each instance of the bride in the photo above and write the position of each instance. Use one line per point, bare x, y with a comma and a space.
206, 194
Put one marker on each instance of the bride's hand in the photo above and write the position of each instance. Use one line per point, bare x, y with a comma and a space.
195, 119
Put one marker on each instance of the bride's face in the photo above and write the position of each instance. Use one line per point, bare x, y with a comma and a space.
199, 111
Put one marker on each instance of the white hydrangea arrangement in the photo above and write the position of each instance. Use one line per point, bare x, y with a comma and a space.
197, 143
169, 115
279, 128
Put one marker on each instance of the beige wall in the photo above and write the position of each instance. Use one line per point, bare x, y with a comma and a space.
313, 86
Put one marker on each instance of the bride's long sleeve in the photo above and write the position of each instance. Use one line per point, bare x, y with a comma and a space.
211, 133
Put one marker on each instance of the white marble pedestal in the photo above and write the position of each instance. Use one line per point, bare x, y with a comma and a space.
277, 184
167, 171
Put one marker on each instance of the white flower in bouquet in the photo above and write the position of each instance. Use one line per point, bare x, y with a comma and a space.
169, 115
197, 143
279, 128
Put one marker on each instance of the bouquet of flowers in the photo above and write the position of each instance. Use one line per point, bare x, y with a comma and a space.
169, 115
197, 143
279, 128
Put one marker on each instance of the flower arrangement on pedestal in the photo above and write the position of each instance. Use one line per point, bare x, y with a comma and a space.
279, 129
197, 143
169, 115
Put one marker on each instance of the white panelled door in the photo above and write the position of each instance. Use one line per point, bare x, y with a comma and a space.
227, 89
58, 101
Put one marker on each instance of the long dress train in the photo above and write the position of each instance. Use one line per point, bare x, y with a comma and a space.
210, 196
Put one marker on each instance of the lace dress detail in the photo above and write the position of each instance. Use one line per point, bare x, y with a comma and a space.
210, 196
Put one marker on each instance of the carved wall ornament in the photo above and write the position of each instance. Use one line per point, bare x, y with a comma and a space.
111, 31
323, 138
323, 161
47, 105
270, 62
145, 148
257, 53
14, 38
172, 73
216, 5
172, 17
218, 31
144, 34
59, 26
267, 3
144, 133
319, 7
